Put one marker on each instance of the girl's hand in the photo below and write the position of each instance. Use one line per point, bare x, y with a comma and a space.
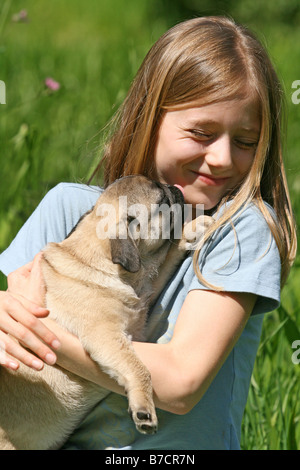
21, 306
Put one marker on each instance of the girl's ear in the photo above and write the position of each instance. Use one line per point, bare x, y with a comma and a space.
125, 253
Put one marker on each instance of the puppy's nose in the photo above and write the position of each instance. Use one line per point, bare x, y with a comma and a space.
177, 192
179, 187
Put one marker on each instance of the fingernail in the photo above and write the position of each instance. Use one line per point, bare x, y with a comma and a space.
42, 309
13, 365
38, 365
55, 344
50, 359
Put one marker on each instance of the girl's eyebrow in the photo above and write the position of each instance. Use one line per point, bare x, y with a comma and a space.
200, 122
251, 130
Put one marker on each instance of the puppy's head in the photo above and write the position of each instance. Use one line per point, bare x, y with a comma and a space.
139, 218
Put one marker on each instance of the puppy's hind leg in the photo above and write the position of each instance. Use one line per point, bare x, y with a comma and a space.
113, 351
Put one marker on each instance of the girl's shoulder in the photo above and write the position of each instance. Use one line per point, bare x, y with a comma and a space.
52, 220
243, 256
72, 194
64, 205
247, 213
247, 235
248, 229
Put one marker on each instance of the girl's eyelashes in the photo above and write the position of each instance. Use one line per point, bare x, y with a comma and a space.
207, 136
201, 135
248, 145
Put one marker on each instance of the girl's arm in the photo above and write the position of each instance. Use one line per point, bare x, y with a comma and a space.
206, 330
182, 369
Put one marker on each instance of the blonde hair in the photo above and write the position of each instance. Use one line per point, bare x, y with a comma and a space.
207, 60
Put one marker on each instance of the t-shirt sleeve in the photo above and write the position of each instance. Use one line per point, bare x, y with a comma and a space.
52, 221
244, 259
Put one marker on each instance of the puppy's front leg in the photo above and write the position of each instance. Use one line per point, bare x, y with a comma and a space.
111, 348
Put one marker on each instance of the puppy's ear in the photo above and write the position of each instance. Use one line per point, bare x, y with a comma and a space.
125, 253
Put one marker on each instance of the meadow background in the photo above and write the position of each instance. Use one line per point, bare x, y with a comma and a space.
93, 48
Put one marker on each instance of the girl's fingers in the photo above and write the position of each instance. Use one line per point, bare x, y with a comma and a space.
12, 353
32, 307
18, 353
35, 266
29, 331
24, 338
28, 281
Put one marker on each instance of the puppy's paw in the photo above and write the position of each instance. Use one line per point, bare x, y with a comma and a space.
145, 422
193, 232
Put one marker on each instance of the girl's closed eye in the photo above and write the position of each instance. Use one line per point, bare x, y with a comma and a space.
247, 145
201, 134
205, 136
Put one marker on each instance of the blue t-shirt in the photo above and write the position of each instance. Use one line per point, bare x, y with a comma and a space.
247, 261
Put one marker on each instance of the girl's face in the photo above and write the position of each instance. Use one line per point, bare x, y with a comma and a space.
207, 150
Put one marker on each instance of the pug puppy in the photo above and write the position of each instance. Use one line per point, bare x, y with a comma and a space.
100, 283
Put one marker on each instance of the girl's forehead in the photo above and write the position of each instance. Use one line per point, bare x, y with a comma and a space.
244, 112
242, 97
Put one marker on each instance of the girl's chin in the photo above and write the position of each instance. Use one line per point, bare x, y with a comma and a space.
206, 204
209, 199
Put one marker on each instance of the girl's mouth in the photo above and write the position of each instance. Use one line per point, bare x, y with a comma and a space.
210, 180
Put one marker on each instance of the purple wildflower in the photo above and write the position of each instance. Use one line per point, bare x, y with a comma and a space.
52, 84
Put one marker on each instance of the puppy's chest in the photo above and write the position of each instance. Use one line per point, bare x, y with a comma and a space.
85, 309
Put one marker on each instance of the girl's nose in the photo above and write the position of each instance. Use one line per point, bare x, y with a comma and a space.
219, 153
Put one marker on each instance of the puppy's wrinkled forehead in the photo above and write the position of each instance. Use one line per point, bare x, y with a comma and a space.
137, 190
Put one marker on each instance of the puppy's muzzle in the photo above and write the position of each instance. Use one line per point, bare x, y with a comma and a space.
171, 195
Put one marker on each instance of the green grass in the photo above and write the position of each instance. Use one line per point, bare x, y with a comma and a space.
93, 49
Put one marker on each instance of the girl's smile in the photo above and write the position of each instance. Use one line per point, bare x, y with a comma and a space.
209, 149
210, 180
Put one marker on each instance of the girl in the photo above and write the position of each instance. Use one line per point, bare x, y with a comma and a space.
204, 112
